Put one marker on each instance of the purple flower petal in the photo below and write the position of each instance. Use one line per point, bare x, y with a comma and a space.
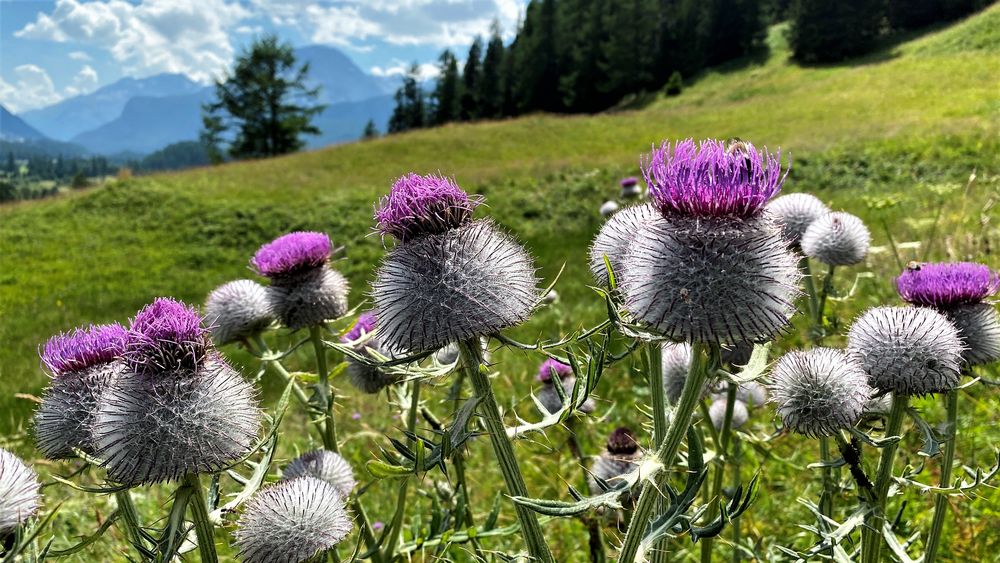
364, 325
551, 365
292, 253
84, 348
166, 335
419, 205
945, 285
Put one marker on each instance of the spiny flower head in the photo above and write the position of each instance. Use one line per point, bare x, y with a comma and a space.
237, 309
419, 205
978, 326
292, 254
84, 348
628, 181
615, 238
65, 419
323, 464
310, 298
364, 325
622, 442
292, 521
819, 392
837, 239
166, 335
717, 413
946, 285
907, 350
795, 212
19, 498
552, 365
712, 179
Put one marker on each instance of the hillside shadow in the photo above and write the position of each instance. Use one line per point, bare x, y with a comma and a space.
883, 50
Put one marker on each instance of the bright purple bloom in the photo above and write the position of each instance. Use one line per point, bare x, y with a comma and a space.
629, 181
166, 335
364, 325
84, 348
551, 365
292, 254
356, 416
419, 205
377, 525
945, 285
712, 179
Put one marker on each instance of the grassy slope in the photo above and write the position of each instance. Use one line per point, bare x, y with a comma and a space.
922, 115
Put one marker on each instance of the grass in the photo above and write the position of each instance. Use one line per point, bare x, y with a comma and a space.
893, 139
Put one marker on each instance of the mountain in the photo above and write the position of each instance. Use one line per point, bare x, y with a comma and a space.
73, 116
346, 121
339, 79
13, 128
149, 123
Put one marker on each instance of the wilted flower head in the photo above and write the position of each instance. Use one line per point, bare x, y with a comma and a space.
236, 310
553, 366
608, 208
947, 285
716, 280
292, 521
978, 326
19, 498
711, 179
615, 238
292, 254
325, 465
421, 205
819, 392
440, 288
837, 239
152, 427
83, 363
906, 350
83, 348
166, 335
795, 212
717, 413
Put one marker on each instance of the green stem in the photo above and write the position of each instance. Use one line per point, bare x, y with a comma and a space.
326, 396
395, 527
737, 458
824, 292
129, 519
472, 363
280, 369
658, 402
175, 521
947, 459
892, 244
807, 280
871, 533
202, 522
678, 427
720, 468
826, 501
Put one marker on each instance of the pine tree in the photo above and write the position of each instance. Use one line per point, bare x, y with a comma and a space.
628, 57
823, 31
410, 112
370, 132
740, 22
471, 77
536, 74
489, 90
582, 34
445, 99
264, 100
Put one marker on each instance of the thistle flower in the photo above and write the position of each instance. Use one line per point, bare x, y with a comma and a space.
82, 364
304, 290
19, 497
947, 285
712, 179
628, 181
608, 208
237, 310
717, 413
675, 360
365, 377
978, 326
178, 408
422, 205
324, 465
906, 350
795, 212
752, 393
837, 239
819, 392
549, 373
615, 238
440, 288
292, 521
620, 456
630, 187
364, 325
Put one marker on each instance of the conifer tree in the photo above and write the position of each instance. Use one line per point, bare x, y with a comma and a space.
410, 112
445, 98
490, 89
471, 77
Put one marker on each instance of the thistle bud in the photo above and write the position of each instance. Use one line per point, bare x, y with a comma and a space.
324, 465
552, 372
236, 310
19, 496
717, 413
795, 212
837, 239
819, 392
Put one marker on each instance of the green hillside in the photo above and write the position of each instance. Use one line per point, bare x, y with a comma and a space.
892, 138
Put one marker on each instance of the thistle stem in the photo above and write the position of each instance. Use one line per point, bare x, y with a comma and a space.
654, 369
326, 396
129, 519
737, 459
202, 522
826, 501
676, 431
397, 518
947, 459
807, 280
871, 533
720, 468
472, 363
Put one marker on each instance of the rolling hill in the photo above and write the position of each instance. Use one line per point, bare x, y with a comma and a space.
893, 138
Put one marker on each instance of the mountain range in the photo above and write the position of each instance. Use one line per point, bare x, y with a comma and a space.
141, 115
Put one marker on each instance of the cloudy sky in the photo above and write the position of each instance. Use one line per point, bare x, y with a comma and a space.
50, 50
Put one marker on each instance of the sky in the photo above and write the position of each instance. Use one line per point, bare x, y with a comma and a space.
54, 49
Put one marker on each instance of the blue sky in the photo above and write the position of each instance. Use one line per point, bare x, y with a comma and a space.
54, 49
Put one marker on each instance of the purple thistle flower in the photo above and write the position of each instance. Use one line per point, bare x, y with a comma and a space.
166, 335
622, 441
377, 525
711, 179
947, 285
84, 348
419, 205
292, 254
550, 366
364, 325
628, 182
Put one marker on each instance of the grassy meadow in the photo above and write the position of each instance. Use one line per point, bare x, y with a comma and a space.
908, 139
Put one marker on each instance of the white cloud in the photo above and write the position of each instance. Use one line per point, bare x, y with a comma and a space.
399, 68
32, 88
79, 56
183, 36
333, 25
84, 82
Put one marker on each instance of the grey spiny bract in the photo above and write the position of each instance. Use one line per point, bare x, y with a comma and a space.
978, 326
795, 212
614, 239
237, 309
309, 298
19, 497
906, 350
324, 465
65, 418
837, 239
